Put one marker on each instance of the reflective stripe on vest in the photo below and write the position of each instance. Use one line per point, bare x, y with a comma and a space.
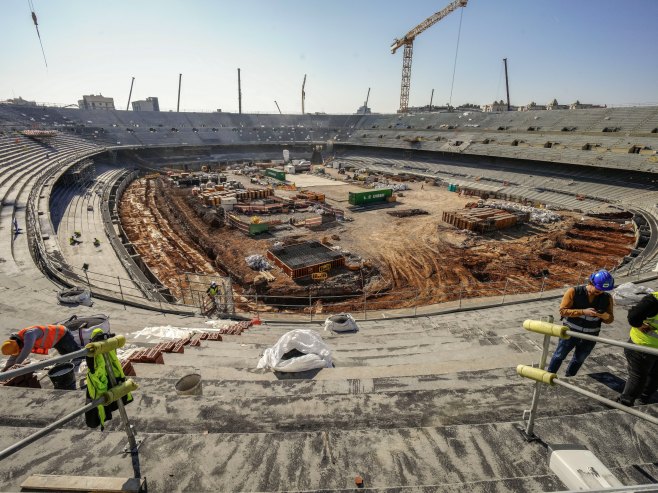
650, 338
51, 336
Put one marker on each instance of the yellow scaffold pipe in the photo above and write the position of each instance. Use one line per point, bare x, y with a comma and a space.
546, 328
116, 393
536, 374
106, 346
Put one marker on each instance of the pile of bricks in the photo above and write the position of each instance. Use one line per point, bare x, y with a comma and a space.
153, 355
236, 329
27, 380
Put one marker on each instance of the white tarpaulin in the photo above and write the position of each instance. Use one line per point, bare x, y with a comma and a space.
314, 352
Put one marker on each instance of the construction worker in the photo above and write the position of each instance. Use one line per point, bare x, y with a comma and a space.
583, 309
73, 241
642, 379
97, 242
213, 290
38, 339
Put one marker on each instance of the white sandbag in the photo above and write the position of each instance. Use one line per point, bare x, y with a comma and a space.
628, 294
316, 354
343, 322
82, 327
75, 296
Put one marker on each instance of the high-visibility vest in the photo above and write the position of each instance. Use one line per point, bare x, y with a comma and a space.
51, 336
584, 323
650, 338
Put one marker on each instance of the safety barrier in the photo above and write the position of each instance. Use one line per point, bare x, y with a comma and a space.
114, 394
541, 376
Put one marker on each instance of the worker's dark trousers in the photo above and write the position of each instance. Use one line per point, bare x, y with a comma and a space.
564, 347
642, 377
68, 345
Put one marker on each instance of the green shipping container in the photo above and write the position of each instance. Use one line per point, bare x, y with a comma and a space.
276, 173
370, 197
255, 229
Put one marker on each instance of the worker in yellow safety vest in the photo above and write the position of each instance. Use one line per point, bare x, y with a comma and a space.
213, 290
642, 380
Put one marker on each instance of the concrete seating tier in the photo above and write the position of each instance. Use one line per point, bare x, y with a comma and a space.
413, 405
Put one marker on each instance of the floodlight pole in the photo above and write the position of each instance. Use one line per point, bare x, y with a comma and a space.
431, 99
180, 78
239, 94
507, 84
130, 93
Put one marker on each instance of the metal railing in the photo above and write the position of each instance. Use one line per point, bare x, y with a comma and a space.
541, 376
114, 394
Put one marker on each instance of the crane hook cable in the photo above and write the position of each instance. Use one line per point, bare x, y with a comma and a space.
454, 67
36, 25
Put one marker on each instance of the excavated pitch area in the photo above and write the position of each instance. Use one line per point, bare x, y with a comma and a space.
408, 261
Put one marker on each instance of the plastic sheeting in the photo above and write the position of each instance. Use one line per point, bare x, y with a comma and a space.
164, 333
343, 322
628, 294
316, 353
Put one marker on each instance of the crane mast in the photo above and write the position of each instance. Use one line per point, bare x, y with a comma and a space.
408, 42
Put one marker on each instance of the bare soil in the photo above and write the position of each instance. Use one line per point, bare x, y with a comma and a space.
407, 261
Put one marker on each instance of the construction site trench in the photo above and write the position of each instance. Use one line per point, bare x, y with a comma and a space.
392, 260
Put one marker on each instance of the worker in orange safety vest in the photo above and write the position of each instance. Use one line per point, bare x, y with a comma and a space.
38, 339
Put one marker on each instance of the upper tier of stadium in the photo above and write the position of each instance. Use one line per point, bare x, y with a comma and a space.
624, 138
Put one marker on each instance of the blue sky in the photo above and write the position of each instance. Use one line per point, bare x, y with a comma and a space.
599, 51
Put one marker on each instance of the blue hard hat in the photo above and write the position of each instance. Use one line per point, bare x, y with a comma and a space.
602, 280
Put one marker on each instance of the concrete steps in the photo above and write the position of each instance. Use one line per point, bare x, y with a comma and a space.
298, 405
454, 457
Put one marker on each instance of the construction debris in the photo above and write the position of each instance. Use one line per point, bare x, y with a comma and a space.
258, 262
544, 216
408, 213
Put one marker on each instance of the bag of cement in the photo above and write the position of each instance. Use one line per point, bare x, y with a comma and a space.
297, 350
343, 322
628, 294
82, 327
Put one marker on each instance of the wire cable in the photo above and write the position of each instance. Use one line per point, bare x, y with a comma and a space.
454, 67
36, 25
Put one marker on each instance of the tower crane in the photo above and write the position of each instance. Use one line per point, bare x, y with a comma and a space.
408, 42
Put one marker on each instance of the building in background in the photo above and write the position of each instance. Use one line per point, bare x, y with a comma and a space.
149, 104
99, 102
19, 101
